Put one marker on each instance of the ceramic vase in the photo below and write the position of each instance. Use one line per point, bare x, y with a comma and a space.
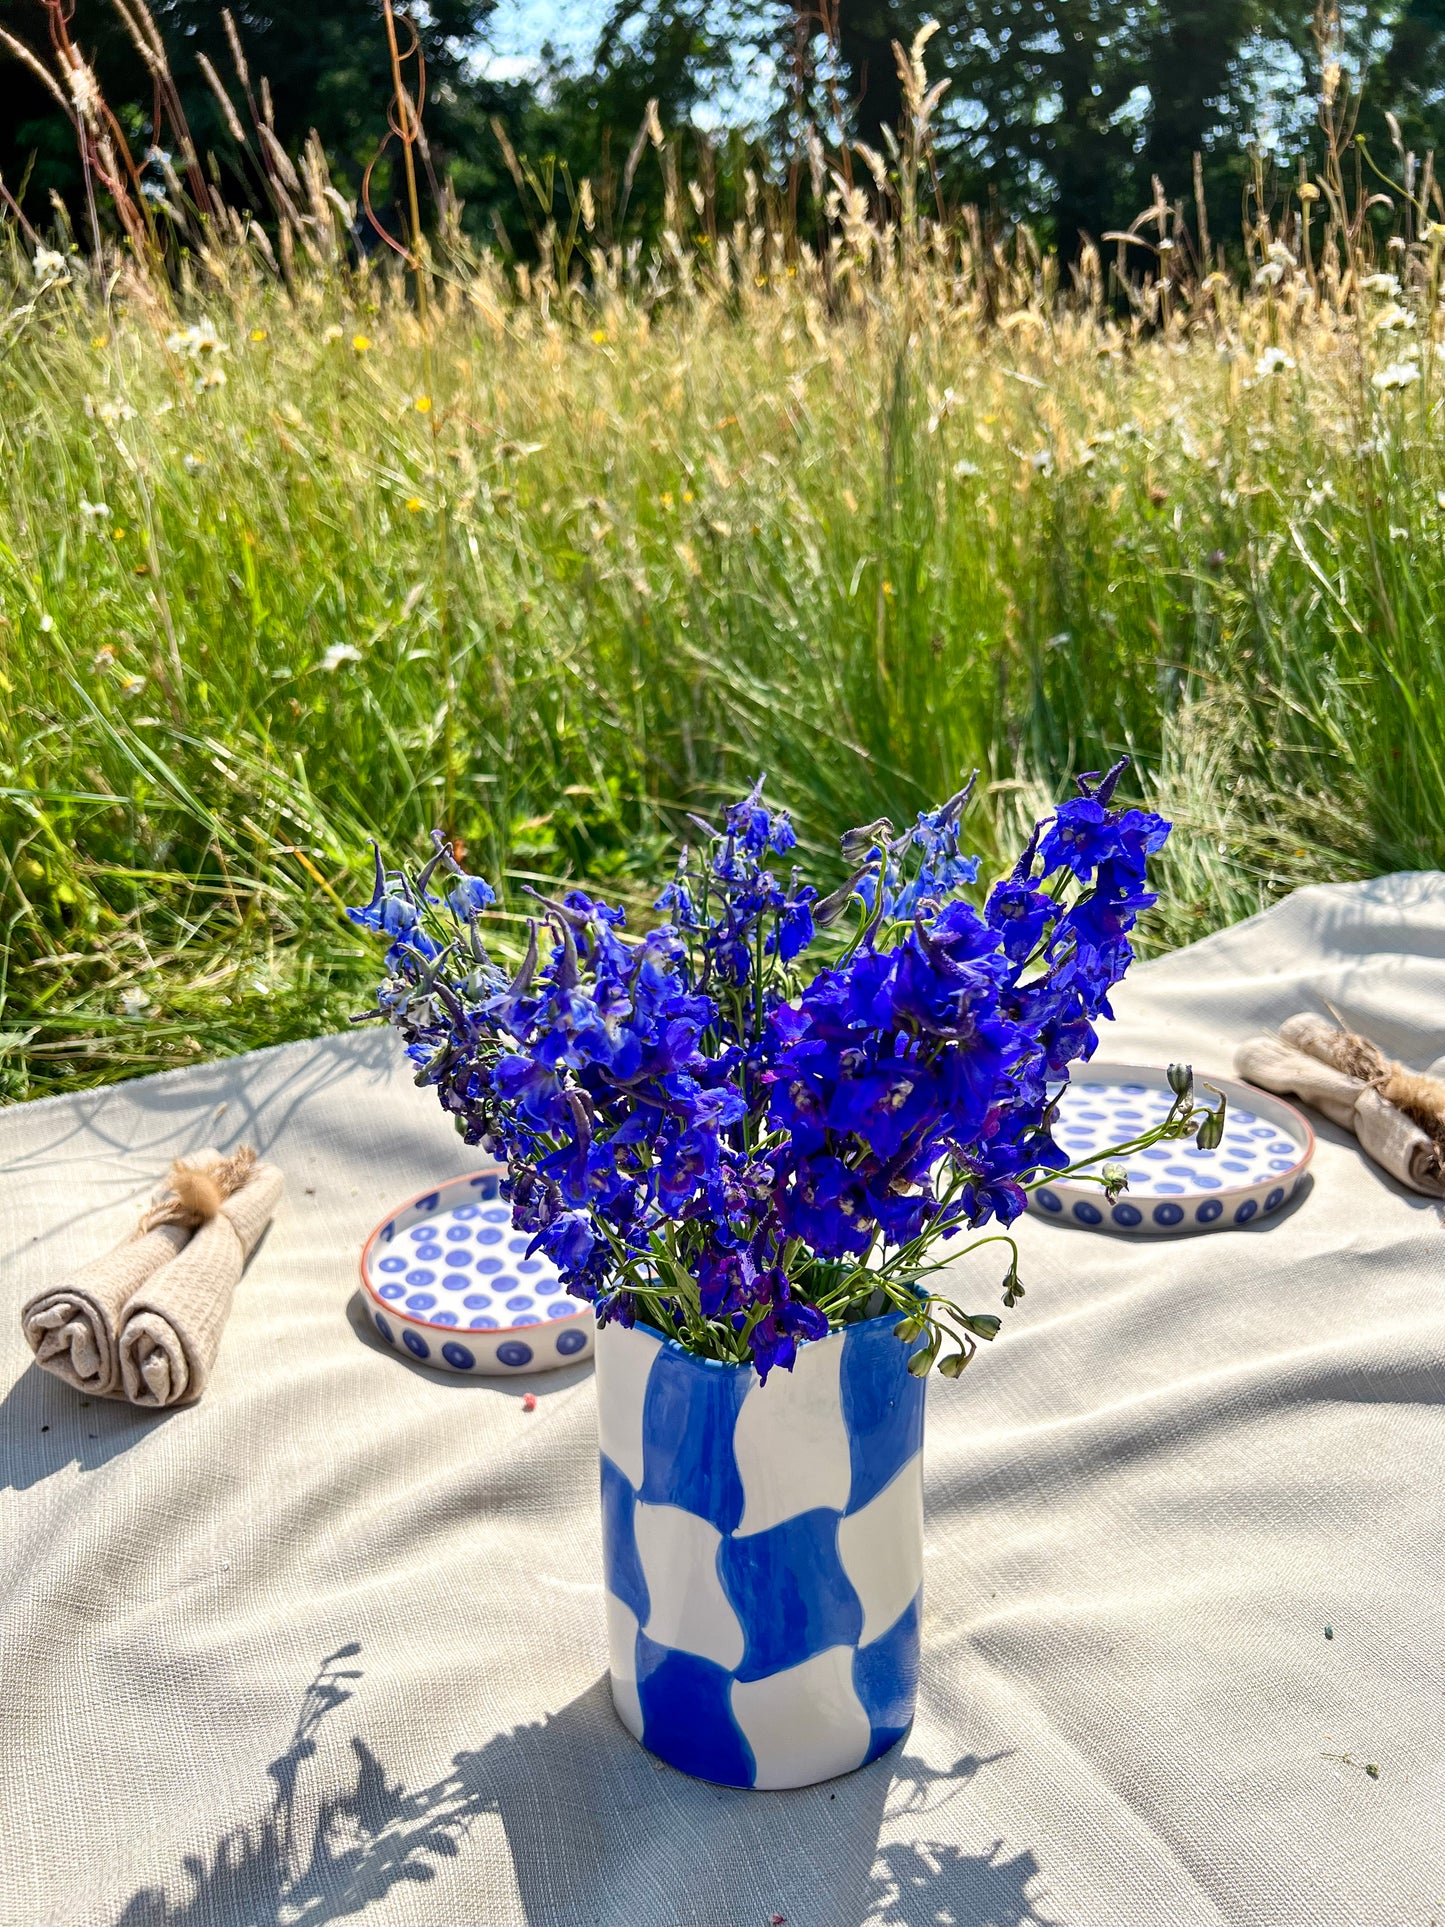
763, 1552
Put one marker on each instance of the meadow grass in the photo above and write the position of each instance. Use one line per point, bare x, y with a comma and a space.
576, 563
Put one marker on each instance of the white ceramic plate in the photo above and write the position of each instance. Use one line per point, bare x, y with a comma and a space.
447, 1279
1174, 1188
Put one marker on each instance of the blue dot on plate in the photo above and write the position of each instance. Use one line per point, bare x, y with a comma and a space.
421, 1277
530, 1264
465, 1211
522, 1302
526, 1318
1168, 1213
1276, 1197
498, 1214
489, 1265
455, 1281
429, 1254
1087, 1213
383, 1327
571, 1341
1156, 1153
1127, 1214
416, 1344
421, 1301
429, 1202
518, 1244
481, 1323
1049, 1200
477, 1301
443, 1318
514, 1352
458, 1356
1233, 1164
392, 1264
1209, 1211
1206, 1182
1246, 1211
504, 1281
1280, 1164
1170, 1190
489, 1235
457, 1234
562, 1308
393, 1291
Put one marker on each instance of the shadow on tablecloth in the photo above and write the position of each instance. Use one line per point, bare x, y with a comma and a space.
322, 1854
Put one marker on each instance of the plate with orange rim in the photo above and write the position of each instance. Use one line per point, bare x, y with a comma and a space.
448, 1281
1174, 1188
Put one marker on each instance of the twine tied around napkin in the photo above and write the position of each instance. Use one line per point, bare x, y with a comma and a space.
144, 1321
1398, 1115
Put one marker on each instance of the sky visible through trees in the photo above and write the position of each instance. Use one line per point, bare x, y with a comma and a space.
1060, 112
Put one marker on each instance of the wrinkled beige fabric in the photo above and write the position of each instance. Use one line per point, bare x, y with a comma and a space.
1394, 1141
171, 1327
328, 1646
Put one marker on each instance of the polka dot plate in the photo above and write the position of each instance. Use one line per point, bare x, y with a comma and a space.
447, 1280
1175, 1187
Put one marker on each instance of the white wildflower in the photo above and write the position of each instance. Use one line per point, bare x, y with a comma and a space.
962, 470
134, 1002
133, 685
1276, 265
92, 512
47, 623
1042, 461
199, 342
1385, 284
193, 464
1274, 361
1398, 534
1393, 320
212, 375
1398, 375
112, 413
338, 653
49, 266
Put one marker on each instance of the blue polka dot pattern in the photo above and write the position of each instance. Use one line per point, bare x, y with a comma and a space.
1260, 1160
762, 1633
442, 1266
384, 1328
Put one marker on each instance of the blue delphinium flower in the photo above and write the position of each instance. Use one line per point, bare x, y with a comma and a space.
705, 1134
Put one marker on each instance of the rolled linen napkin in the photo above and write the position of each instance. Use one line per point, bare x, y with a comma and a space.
171, 1326
1397, 1114
72, 1328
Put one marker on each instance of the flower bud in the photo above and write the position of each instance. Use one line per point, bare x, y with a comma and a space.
1211, 1131
1181, 1079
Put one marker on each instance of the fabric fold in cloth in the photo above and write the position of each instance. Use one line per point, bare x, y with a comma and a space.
171, 1327
1316, 1062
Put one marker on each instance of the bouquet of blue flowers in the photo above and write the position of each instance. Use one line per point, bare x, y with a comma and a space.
706, 1132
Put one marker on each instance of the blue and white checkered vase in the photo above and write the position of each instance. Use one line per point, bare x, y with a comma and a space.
763, 1547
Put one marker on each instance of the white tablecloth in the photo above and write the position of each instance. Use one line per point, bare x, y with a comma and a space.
330, 1644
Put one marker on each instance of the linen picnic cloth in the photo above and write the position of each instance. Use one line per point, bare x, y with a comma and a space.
329, 1645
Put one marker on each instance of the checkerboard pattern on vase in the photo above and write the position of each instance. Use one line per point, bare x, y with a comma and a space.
763, 1550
